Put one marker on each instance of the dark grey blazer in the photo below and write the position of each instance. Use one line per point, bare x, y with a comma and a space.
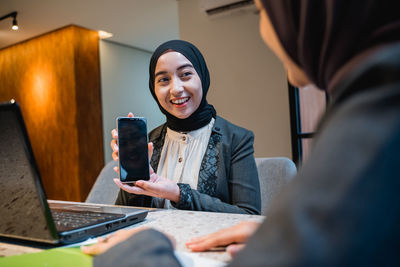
228, 179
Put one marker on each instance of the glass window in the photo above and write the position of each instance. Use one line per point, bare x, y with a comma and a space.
307, 105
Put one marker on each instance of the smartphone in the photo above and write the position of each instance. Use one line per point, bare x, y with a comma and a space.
133, 151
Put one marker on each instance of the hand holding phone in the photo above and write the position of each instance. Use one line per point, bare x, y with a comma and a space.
133, 158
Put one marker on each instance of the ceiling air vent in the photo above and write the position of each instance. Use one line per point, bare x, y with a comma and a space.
214, 7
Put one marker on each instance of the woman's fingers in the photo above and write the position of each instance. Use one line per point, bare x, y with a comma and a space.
152, 188
245, 229
114, 155
95, 249
150, 146
138, 188
130, 189
103, 244
130, 115
116, 169
236, 234
114, 145
114, 133
234, 249
220, 238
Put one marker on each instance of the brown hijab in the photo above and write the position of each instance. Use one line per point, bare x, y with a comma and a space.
327, 38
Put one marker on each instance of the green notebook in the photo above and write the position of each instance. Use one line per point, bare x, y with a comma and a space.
56, 257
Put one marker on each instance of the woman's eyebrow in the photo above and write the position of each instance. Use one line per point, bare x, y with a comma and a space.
160, 73
179, 68
184, 66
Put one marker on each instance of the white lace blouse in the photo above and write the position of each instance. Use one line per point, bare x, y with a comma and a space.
182, 154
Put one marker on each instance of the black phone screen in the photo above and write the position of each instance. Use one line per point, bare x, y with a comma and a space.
133, 150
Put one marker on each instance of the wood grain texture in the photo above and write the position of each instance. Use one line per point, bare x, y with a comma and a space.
87, 76
56, 79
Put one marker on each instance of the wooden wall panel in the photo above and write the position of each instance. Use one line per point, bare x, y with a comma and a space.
43, 75
87, 76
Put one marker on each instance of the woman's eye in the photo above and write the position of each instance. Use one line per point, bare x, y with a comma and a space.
187, 73
163, 80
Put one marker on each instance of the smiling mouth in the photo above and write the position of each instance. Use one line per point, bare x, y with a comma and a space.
180, 101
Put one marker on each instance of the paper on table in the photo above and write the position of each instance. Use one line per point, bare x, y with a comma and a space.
188, 259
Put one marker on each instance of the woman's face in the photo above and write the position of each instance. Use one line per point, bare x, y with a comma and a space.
177, 85
296, 75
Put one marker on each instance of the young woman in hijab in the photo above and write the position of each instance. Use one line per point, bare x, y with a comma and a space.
201, 161
343, 209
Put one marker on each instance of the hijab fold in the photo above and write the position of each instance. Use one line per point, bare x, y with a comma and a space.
325, 36
205, 112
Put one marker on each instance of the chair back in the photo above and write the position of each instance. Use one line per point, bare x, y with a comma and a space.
104, 190
273, 174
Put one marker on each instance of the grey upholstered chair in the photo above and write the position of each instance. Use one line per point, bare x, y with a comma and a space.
273, 173
104, 190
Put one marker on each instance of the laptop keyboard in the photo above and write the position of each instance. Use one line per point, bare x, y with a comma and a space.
68, 220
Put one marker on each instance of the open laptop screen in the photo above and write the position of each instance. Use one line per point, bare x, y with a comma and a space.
21, 207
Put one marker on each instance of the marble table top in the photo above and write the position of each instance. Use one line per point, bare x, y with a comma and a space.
182, 225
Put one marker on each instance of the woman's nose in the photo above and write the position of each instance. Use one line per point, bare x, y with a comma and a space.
176, 87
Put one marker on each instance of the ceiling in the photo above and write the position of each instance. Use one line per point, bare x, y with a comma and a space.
139, 23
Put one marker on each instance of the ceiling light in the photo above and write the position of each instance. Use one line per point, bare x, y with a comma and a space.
14, 24
104, 35
14, 21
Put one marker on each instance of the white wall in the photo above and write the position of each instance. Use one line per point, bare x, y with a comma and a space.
124, 83
248, 83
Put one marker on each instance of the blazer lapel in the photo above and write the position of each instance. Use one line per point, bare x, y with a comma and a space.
157, 139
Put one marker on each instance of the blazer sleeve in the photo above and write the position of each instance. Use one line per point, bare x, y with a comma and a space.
243, 183
146, 248
343, 208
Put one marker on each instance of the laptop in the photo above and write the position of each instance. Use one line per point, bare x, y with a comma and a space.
25, 213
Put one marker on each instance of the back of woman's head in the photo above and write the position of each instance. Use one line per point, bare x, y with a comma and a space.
326, 38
